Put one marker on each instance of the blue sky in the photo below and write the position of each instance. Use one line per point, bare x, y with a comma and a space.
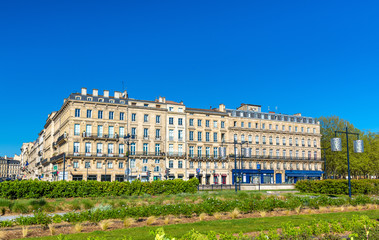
319, 58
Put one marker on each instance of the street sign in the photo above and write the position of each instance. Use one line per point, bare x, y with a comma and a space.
198, 170
55, 167
127, 171
258, 166
60, 176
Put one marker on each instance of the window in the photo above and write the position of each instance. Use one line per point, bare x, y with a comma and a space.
199, 151
110, 148
110, 164
145, 105
145, 132
191, 151
207, 152
157, 161
191, 164
180, 121
235, 124
132, 149
250, 139
121, 149
222, 124
158, 119
89, 113
290, 128
111, 131
309, 142
214, 137
206, 123
145, 148
270, 126
303, 142
76, 147
111, 115
76, 164
122, 132
180, 164
191, 122
120, 165
270, 140
249, 124
290, 154
157, 133
171, 149
88, 130
98, 165
199, 164
171, 109
77, 112
284, 141
263, 126
191, 135
264, 139
132, 163
171, 164
180, 150
235, 137
308, 130
315, 155
122, 116
207, 136
171, 120
215, 152
302, 129
199, 123
243, 137
156, 169
77, 130
276, 127
295, 128
315, 143
100, 131
215, 124
256, 125
171, 135
99, 148
180, 109
257, 139
145, 118
157, 150
145, 161
199, 136
314, 130
133, 133
180, 135
100, 114
88, 147
133, 117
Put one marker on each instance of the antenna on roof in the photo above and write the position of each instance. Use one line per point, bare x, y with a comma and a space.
276, 108
268, 108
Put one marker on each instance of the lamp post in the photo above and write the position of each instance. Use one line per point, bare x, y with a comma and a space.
336, 146
87, 166
326, 173
126, 139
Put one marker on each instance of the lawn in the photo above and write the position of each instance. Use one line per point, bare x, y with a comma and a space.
220, 226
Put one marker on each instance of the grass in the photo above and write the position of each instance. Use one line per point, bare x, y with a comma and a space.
220, 226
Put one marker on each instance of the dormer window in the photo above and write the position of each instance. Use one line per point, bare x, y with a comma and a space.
78, 98
101, 100
145, 105
111, 101
122, 102
89, 99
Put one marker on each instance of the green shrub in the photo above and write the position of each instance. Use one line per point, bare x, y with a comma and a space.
65, 189
339, 186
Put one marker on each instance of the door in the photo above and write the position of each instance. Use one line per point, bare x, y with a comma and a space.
278, 178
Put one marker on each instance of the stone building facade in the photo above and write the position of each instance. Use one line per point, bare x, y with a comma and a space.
112, 138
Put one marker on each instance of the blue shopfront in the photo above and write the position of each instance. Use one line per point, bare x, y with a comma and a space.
253, 176
292, 176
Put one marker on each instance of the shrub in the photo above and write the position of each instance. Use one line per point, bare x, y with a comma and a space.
339, 186
66, 189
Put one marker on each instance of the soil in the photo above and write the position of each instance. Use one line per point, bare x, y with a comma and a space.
66, 228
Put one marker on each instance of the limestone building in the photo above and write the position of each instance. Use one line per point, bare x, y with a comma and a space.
116, 138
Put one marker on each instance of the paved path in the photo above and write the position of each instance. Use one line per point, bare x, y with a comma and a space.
11, 217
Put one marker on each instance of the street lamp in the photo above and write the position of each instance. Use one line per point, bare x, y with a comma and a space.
126, 139
336, 146
87, 166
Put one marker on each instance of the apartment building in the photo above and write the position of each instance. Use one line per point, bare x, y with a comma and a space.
112, 138
9, 168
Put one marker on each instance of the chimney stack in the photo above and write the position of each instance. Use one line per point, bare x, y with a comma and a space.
221, 108
117, 94
106, 93
95, 92
84, 91
125, 94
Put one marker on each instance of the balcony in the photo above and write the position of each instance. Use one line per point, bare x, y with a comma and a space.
203, 157
176, 154
61, 139
91, 136
158, 138
145, 137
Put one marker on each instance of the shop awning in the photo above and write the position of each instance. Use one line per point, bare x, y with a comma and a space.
299, 173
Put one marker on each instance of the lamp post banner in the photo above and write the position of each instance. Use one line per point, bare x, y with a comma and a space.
358, 146
336, 144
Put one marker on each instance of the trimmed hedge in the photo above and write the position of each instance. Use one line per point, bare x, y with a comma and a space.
339, 186
68, 189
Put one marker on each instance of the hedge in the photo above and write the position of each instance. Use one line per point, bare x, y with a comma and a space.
69, 189
340, 186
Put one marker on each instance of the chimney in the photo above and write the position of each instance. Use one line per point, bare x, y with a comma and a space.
84, 91
106, 93
164, 99
95, 92
221, 108
117, 94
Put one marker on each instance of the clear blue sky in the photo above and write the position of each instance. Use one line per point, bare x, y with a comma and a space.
319, 58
